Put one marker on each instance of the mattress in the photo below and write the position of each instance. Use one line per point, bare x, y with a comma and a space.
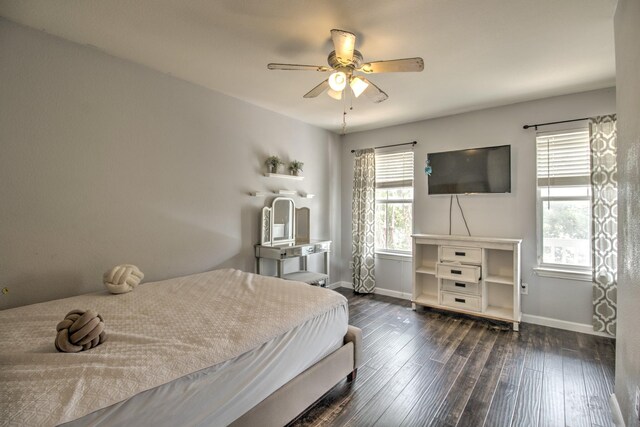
198, 350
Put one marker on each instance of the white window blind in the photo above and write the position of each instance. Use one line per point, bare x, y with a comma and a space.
563, 158
394, 169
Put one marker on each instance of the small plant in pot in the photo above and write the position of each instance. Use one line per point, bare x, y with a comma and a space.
295, 167
273, 163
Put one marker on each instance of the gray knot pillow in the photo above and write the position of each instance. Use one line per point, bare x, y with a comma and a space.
80, 330
122, 278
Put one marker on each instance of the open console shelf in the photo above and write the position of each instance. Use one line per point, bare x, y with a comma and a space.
473, 275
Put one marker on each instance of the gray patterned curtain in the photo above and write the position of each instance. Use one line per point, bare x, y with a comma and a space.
363, 221
604, 211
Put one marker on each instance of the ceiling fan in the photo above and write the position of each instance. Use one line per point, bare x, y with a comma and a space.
344, 63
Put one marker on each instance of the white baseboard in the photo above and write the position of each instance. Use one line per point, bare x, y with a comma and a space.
379, 291
339, 285
584, 328
616, 413
342, 284
391, 293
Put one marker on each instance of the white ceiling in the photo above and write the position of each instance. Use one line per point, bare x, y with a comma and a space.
477, 53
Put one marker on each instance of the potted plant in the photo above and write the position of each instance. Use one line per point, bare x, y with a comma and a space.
295, 167
273, 162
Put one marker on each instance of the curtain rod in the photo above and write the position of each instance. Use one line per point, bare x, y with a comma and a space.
553, 123
392, 145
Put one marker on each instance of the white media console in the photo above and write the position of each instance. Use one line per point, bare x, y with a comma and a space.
472, 275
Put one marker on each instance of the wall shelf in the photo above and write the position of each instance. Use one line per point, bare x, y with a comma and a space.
282, 193
289, 193
284, 176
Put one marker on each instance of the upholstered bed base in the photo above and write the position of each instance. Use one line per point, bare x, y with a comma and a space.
290, 400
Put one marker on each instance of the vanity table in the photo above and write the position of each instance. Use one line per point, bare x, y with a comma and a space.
284, 234
283, 251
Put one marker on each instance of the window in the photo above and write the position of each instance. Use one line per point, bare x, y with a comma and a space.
394, 201
564, 200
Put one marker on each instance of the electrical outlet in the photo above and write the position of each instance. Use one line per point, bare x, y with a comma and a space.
637, 405
524, 288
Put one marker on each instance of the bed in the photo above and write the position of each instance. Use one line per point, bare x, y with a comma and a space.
218, 348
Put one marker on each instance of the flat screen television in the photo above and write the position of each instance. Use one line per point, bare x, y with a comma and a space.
476, 170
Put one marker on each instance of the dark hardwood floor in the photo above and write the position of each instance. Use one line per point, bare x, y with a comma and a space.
433, 368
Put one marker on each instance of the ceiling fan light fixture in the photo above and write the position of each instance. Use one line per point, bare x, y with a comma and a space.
338, 81
358, 86
335, 94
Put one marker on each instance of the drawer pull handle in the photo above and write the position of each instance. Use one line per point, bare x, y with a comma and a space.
462, 300
461, 285
456, 272
461, 254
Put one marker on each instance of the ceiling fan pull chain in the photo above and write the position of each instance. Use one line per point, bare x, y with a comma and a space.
350, 99
344, 111
344, 121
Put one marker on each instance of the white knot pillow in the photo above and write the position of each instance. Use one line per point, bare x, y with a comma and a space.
122, 278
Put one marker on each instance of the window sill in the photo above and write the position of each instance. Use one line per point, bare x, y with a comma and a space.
559, 273
396, 256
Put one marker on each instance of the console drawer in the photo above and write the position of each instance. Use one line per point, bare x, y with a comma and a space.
461, 287
457, 272
465, 302
299, 251
323, 247
457, 253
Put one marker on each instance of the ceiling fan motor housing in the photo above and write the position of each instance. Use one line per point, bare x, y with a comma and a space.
336, 64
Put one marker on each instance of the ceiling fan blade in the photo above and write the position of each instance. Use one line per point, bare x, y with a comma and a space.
298, 67
317, 90
344, 43
393, 66
374, 93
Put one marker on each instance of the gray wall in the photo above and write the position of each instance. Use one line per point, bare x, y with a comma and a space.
504, 215
103, 161
627, 33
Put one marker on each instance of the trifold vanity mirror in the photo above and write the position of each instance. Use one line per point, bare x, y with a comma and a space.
283, 224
